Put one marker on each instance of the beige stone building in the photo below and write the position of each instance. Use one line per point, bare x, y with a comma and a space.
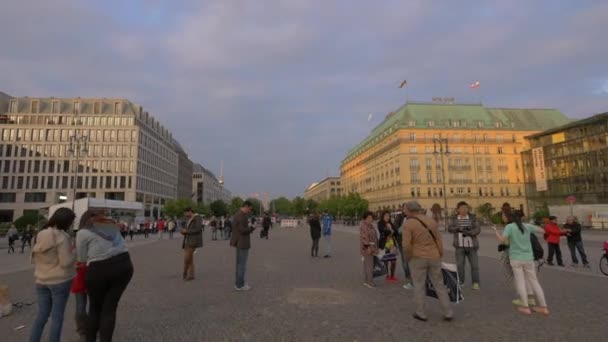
404, 157
206, 188
330, 186
129, 155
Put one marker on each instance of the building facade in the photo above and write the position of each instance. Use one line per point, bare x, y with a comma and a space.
440, 154
185, 171
570, 160
330, 186
124, 154
206, 188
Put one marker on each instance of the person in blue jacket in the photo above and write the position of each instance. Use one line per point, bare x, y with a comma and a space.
327, 221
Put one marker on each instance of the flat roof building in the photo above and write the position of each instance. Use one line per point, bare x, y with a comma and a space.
329, 187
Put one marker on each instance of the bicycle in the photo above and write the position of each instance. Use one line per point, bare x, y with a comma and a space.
604, 259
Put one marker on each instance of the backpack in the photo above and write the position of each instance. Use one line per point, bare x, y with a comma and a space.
537, 248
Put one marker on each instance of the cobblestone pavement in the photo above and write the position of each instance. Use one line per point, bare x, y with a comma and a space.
297, 298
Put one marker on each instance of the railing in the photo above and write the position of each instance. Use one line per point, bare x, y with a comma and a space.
459, 168
503, 168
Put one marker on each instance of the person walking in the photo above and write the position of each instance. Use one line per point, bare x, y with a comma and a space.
521, 257
193, 239
26, 237
161, 228
54, 269
398, 225
227, 228
101, 247
575, 241
368, 245
13, 235
131, 230
465, 228
423, 246
241, 241
147, 225
553, 234
327, 223
171, 227
315, 233
387, 243
266, 224
213, 225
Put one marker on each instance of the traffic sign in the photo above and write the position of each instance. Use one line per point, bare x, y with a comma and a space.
571, 199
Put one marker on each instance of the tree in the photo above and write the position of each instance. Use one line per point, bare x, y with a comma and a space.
257, 205
299, 206
281, 205
202, 209
218, 208
485, 211
175, 208
27, 219
235, 204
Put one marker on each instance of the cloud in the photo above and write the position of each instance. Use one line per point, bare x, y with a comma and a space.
280, 90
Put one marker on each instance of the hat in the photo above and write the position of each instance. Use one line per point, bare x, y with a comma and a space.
413, 206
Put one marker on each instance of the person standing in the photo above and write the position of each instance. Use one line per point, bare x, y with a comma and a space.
241, 240
193, 239
100, 245
171, 227
327, 223
13, 235
227, 228
26, 238
54, 269
465, 228
213, 225
424, 249
266, 223
368, 244
553, 235
387, 242
521, 257
160, 225
575, 241
398, 224
131, 230
146, 229
315, 233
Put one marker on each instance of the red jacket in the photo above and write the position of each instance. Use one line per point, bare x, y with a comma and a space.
78, 282
553, 233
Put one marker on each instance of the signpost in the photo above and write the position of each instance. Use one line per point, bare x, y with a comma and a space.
571, 200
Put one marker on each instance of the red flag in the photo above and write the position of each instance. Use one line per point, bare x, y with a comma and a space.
475, 85
403, 84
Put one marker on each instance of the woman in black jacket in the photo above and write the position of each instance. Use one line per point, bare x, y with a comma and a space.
315, 233
387, 231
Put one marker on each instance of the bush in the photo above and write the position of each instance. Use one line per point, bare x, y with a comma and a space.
28, 218
497, 218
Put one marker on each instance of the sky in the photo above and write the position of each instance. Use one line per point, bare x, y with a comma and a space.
281, 90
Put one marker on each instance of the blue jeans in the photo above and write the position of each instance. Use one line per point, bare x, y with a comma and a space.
574, 246
467, 253
241, 266
406, 269
51, 302
327, 239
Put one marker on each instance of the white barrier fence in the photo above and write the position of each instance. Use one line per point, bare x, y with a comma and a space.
288, 223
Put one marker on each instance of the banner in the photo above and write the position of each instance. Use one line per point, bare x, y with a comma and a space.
538, 156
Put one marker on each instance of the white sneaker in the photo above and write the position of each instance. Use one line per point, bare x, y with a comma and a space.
371, 286
244, 288
408, 286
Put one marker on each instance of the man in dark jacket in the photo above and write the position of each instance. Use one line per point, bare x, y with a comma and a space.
241, 240
575, 241
465, 228
193, 239
266, 223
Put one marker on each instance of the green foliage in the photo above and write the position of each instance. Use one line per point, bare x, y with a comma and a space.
175, 208
541, 213
282, 206
28, 218
202, 209
485, 210
497, 218
218, 208
4, 227
352, 205
299, 206
256, 206
235, 204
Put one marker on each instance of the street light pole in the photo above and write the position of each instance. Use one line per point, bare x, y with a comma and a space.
442, 143
78, 145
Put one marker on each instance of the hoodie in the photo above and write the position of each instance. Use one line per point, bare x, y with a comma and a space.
327, 220
53, 257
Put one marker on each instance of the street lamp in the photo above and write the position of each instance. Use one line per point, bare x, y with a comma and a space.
440, 148
78, 144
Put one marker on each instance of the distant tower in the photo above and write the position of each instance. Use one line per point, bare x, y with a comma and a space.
222, 173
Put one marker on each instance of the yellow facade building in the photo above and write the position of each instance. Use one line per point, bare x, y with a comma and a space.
475, 149
330, 186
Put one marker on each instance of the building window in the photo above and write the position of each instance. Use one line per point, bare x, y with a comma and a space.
412, 137
480, 124
35, 197
76, 107
97, 108
500, 150
412, 123
8, 197
13, 106
430, 123
117, 108
500, 139
415, 178
35, 106
429, 177
413, 150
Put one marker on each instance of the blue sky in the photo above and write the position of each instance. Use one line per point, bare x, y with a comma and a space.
281, 90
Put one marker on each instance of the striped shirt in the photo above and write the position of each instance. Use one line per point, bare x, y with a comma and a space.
463, 223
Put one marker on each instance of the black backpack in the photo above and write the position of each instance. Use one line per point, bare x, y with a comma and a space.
537, 248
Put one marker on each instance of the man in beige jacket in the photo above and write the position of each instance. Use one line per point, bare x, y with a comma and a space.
424, 249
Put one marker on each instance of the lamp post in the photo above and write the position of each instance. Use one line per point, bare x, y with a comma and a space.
440, 148
78, 144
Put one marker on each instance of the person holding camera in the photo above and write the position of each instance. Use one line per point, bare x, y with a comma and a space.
465, 228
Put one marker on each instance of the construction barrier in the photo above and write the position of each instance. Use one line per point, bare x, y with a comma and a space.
288, 223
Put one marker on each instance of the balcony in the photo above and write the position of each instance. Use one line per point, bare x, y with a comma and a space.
459, 168
414, 167
460, 181
503, 168
503, 181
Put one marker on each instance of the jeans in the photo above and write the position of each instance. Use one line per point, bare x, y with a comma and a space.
574, 246
406, 268
51, 302
327, 239
467, 253
554, 249
214, 234
421, 268
368, 269
81, 312
241, 267
161, 233
524, 272
314, 251
106, 280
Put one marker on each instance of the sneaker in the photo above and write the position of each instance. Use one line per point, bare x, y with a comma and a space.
408, 286
244, 288
531, 301
420, 318
327, 256
586, 266
371, 286
476, 286
541, 310
518, 302
524, 310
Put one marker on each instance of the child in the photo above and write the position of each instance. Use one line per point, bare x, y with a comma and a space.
390, 257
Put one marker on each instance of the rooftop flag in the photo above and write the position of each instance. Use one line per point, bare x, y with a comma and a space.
403, 84
370, 116
475, 85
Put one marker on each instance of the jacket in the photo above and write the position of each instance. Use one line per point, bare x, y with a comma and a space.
553, 233
471, 232
368, 239
193, 232
241, 231
418, 241
384, 232
315, 227
100, 241
53, 257
327, 221
266, 222
575, 234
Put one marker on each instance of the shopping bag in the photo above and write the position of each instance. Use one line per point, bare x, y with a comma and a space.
451, 282
379, 268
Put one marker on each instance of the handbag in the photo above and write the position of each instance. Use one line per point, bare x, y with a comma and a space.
379, 268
